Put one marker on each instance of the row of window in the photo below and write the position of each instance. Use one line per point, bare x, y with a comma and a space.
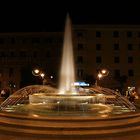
23, 54
117, 72
116, 59
114, 34
116, 46
80, 59
80, 73
38, 40
35, 40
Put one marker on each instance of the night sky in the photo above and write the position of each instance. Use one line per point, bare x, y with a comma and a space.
50, 16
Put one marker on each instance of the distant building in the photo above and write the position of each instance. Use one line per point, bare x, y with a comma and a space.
115, 47
21, 52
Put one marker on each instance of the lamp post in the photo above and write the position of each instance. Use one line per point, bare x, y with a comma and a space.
101, 73
38, 72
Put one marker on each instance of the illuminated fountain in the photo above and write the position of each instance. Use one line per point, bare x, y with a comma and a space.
67, 74
39, 112
67, 99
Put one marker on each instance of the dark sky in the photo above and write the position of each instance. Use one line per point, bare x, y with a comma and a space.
50, 15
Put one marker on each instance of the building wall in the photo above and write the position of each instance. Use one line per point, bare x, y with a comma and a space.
95, 47
109, 42
21, 52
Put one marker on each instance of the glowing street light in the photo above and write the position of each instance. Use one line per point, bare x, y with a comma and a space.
42, 75
38, 72
104, 72
101, 73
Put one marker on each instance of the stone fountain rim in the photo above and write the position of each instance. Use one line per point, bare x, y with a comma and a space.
65, 118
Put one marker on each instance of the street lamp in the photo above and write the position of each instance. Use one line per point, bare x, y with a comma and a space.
42, 75
101, 73
104, 72
38, 72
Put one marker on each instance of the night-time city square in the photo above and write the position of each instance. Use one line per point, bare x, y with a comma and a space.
69, 73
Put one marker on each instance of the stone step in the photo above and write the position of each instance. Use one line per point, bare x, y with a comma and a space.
69, 125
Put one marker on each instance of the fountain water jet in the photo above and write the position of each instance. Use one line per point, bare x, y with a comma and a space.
67, 73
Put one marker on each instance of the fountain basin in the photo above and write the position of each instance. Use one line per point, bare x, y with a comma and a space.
45, 100
66, 102
38, 113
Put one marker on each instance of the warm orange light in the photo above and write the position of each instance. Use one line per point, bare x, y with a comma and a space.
100, 75
51, 77
36, 72
104, 72
42, 75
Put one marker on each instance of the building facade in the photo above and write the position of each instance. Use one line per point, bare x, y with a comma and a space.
113, 47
